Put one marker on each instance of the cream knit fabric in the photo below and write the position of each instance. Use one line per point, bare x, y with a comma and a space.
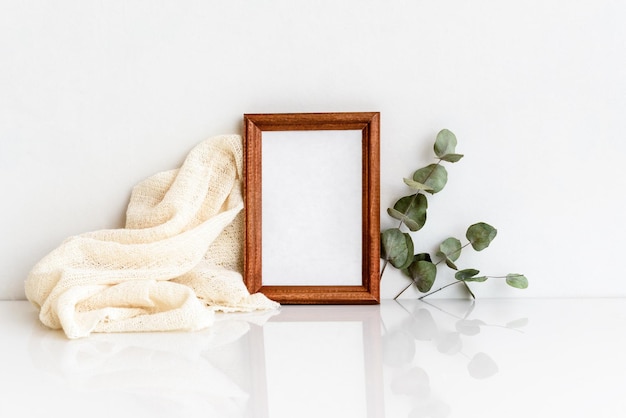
176, 262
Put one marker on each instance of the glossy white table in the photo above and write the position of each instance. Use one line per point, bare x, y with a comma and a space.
444, 358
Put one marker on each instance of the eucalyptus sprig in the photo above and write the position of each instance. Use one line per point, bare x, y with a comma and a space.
397, 247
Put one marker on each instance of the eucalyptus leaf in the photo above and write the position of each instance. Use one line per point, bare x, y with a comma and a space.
412, 210
466, 274
518, 281
452, 158
396, 214
423, 274
480, 235
397, 247
416, 258
450, 249
411, 224
476, 279
415, 185
450, 264
422, 257
434, 176
445, 143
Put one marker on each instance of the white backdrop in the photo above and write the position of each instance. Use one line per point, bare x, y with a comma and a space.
95, 96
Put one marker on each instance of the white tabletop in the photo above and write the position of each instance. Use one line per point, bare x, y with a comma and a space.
444, 358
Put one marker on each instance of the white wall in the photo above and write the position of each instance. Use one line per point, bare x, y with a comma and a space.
95, 96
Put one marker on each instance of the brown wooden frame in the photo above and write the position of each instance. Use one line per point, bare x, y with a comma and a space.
369, 124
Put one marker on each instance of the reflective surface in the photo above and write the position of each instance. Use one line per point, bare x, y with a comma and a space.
444, 358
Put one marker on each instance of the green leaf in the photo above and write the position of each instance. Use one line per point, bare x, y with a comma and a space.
480, 235
396, 214
412, 225
434, 176
416, 258
445, 143
397, 247
411, 210
450, 264
466, 274
450, 249
422, 257
415, 185
476, 279
423, 274
452, 158
518, 281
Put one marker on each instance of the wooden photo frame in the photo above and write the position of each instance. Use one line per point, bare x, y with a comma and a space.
312, 207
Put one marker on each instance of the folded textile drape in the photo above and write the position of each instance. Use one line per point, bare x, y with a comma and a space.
177, 260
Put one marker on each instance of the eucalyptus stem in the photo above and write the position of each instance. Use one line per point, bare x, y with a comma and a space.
440, 289
469, 290
457, 282
404, 290
436, 264
406, 211
398, 247
384, 267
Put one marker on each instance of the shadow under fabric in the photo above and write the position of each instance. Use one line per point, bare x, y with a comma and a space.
176, 262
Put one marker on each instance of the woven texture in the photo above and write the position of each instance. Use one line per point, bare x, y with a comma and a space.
176, 262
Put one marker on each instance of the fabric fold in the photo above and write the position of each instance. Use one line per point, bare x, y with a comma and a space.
177, 260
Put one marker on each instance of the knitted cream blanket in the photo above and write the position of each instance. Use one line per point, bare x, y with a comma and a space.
176, 262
